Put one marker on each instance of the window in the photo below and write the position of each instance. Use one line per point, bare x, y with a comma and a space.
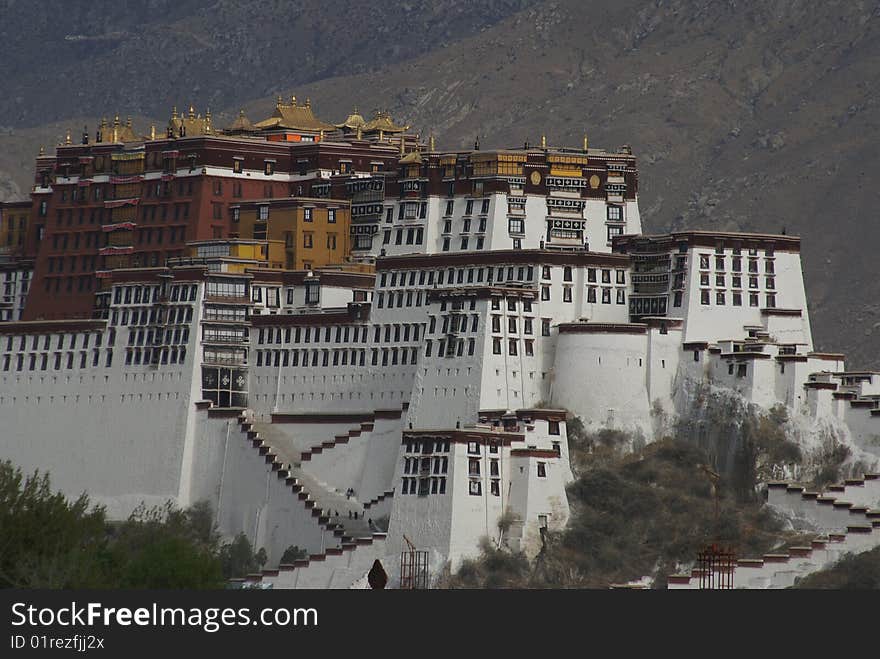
511, 347
615, 214
331, 216
719, 298
475, 488
545, 327
485, 206
542, 470
496, 346
704, 297
606, 296
516, 225
566, 293
545, 293
621, 296
307, 240
553, 427
307, 214
469, 207
268, 167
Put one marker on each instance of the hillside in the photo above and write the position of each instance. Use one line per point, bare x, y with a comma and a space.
746, 115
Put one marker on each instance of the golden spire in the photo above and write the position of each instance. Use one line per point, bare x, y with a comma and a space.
543, 141
192, 112
381, 135
116, 119
128, 122
308, 102
586, 142
321, 137
67, 137
174, 112
241, 113
42, 150
402, 145
293, 100
153, 132
103, 122
431, 144
278, 101
360, 133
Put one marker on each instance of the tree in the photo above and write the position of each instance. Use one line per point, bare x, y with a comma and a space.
46, 541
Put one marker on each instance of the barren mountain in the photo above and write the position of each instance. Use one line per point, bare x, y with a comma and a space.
746, 114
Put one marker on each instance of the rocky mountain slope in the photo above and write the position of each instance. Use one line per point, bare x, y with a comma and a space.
746, 114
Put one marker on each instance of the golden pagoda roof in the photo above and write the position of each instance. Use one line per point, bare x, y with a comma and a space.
292, 115
241, 124
413, 157
353, 122
118, 132
185, 125
382, 121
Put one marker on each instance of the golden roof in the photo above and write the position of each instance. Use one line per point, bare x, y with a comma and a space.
118, 132
292, 115
185, 125
353, 122
383, 122
241, 124
413, 157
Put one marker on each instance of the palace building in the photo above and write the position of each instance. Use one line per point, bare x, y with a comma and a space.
348, 340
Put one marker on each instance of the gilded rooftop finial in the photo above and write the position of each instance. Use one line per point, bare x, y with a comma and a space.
586, 142
128, 122
308, 102
278, 101
116, 120
174, 112
293, 100
153, 131
431, 144
192, 112
543, 141
67, 137
42, 150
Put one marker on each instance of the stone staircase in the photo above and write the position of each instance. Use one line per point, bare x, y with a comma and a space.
338, 510
847, 514
335, 568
